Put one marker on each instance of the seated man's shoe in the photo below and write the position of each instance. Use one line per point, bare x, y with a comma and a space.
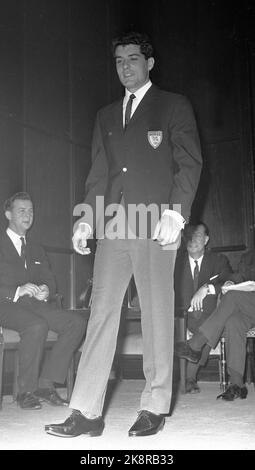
184, 351
50, 395
146, 424
192, 386
27, 401
76, 425
233, 392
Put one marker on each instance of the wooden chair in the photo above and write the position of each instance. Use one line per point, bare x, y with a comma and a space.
249, 373
9, 341
182, 334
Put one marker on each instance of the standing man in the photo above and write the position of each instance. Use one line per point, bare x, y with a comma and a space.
27, 287
145, 152
199, 275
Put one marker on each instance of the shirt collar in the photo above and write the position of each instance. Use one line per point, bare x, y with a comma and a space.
192, 261
15, 238
139, 94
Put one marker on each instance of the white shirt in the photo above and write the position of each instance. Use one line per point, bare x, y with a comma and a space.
192, 263
139, 94
192, 267
15, 238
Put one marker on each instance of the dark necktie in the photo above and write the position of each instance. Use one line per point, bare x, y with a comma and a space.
23, 250
195, 276
128, 109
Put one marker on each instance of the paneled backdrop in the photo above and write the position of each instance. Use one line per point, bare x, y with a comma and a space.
56, 71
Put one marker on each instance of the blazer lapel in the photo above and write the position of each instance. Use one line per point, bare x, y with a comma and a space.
118, 116
9, 249
144, 105
188, 271
11, 253
204, 273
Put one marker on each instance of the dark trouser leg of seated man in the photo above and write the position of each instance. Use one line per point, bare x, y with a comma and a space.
195, 320
235, 304
70, 327
235, 340
33, 333
192, 371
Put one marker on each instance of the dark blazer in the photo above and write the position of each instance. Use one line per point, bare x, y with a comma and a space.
14, 274
164, 173
212, 264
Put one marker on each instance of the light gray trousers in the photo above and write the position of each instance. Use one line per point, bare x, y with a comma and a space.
153, 267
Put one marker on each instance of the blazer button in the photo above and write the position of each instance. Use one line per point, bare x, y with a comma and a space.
124, 169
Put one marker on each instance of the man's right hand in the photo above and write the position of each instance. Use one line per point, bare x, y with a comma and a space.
29, 289
226, 284
80, 237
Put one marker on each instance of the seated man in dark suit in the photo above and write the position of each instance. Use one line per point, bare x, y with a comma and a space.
27, 286
235, 315
199, 275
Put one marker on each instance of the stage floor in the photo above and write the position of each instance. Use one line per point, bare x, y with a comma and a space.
197, 422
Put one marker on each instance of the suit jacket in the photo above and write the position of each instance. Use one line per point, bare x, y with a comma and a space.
157, 159
212, 264
14, 274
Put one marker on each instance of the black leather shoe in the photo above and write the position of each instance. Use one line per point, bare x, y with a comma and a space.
27, 401
76, 425
146, 424
184, 351
50, 395
192, 386
232, 392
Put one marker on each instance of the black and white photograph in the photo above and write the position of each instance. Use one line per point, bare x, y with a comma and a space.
127, 228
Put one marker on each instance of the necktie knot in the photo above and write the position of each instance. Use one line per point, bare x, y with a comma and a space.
128, 109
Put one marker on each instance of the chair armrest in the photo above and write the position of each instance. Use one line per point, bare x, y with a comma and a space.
180, 312
181, 323
57, 299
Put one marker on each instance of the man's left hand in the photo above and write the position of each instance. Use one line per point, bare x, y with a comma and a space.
197, 299
44, 292
167, 230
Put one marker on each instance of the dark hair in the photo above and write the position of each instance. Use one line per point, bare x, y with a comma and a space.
8, 204
190, 229
140, 39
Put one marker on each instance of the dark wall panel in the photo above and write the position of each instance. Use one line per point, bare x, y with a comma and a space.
89, 88
221, 196
11, 100
56, 71
47, 133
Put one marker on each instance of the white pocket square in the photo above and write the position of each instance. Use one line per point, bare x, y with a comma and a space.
37, 262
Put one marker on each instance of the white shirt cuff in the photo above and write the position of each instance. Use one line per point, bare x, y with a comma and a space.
176, 215
85, 223
16, 296
211, 289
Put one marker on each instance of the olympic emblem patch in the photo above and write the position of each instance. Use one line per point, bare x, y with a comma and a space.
155, 138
